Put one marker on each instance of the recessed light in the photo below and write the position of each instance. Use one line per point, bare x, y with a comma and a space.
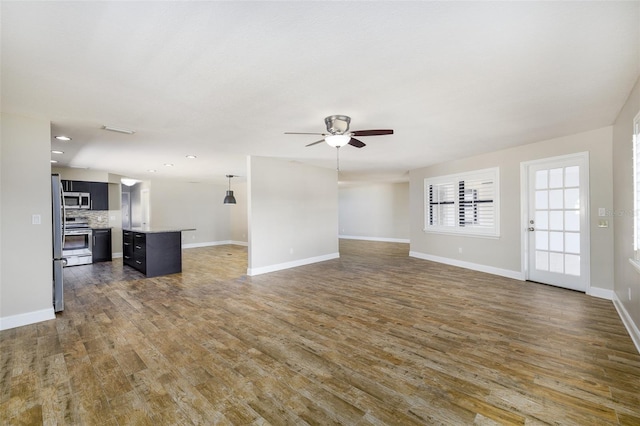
152, 170
191, 157
168, 164
54, 161
118, 129
63, 138
57, 152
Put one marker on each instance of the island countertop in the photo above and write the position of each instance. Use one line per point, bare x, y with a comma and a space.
155, 230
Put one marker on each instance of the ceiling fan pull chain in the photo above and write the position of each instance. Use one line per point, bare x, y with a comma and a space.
338, 158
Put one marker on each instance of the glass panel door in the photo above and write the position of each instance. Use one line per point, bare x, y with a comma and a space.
557, 223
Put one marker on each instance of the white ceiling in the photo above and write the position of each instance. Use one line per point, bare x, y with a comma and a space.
223, 80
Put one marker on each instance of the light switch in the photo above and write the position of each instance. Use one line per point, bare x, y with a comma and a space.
36, 219
602, 212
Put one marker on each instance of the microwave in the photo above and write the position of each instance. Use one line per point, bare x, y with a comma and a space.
77, 200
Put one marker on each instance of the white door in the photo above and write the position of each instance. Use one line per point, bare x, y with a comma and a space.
557, 221
146, 211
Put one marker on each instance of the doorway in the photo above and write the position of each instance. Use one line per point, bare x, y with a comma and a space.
556, 221
126, 210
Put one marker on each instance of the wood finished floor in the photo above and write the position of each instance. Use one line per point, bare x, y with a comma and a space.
374, 337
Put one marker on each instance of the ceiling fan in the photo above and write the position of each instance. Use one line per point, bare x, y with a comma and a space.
338, 134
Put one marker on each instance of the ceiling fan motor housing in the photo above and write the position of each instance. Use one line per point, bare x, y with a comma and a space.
337, 124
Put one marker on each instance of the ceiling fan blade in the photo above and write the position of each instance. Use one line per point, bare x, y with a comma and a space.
315, 143
298, 133
356, 143
372, 132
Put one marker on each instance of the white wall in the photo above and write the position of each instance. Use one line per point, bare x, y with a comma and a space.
68, 173
25, 249
626, 277
505, 253
115, 218
184, 205
293, 214
238, 213
378, 211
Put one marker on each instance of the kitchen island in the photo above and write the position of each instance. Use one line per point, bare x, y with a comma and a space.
152, 251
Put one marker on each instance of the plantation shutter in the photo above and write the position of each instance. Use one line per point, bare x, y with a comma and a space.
442, 204
465, 203
475, 203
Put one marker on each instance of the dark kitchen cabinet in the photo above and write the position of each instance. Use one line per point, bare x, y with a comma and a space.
127, 248
153, 253
76, 186
101, 249
99, 192
99, 196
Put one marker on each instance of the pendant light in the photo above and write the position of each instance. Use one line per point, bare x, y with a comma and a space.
230, 199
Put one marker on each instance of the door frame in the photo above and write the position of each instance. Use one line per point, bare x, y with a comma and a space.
583, 158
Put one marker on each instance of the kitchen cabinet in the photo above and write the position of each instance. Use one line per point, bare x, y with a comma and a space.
127, 248
153, 253
99, 192
101, 248
99, 195
76, 186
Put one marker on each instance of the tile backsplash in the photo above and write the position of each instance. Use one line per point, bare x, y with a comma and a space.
97, 218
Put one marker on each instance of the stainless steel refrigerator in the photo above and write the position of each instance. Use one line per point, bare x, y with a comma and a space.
58, 214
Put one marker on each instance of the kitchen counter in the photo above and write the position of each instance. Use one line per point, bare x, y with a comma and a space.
155, 230
152, 251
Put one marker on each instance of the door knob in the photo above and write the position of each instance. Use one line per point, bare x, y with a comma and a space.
531, 228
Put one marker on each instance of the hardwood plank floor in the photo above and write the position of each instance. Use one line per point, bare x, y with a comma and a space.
374, 337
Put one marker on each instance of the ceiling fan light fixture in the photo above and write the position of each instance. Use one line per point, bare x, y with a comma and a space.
337, 141
337, 124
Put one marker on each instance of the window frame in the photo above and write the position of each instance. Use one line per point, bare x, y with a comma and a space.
636, 189
457, 181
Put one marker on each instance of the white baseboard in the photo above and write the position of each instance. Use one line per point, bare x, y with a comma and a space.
214, 243
386, 240
116, 255
602, 293
19, 320
632, 328
292, 264
516, 275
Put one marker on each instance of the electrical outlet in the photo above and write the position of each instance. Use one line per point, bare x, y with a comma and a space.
36, 219
460, 250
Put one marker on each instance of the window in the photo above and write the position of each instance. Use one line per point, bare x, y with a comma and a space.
466, 203
636, 184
